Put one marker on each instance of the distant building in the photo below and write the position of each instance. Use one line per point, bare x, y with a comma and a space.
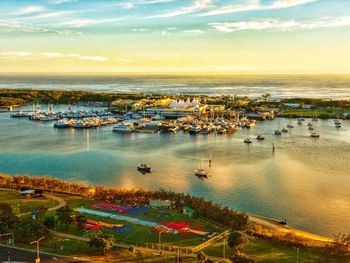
159, 203
292, 105
29, 193
188, 211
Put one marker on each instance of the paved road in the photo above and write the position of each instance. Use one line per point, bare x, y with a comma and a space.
23, 255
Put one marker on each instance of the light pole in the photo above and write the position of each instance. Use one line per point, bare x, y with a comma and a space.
37, 249
297, 255
52, 197
224, 249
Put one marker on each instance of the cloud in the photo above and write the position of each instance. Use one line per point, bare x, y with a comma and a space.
255, 5
93, 58
194, 31
57, 2
169, 30
282, 25
52, 14
52, 55
74, 23
198, 5
30, 10
16, 54
149, 2
140, 30
8, 26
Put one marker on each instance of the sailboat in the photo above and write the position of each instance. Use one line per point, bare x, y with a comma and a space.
278, 132
337, 122
290, 125
314, 134
200, 172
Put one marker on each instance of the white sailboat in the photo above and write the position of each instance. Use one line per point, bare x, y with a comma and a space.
200, 172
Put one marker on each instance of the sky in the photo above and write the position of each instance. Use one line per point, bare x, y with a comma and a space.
175, 36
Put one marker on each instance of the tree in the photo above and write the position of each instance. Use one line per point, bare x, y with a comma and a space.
7, 217
237, 240
340, 248
64, 215
50, 221
28, 229
40, 212
102, 240
81, 221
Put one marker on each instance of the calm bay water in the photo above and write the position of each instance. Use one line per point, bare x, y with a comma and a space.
306, 181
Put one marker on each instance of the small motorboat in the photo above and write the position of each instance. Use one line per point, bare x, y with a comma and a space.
144, 168
278, 132
248, 141
201, 173
284, 130
260, 137
314, 135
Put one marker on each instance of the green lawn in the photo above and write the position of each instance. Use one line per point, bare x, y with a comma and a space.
24, 205
146, 235
63, 246
269, 252
306, 113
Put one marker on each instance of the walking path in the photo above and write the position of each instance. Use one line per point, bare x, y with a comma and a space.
61, 203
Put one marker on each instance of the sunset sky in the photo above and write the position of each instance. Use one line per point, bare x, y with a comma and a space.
218, 36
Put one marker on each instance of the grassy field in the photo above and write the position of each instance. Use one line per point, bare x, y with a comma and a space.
143, 234
260, 250
146, 235
306, 113
24, 205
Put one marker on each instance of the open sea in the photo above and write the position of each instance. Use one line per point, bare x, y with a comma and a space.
305, 181
279, 86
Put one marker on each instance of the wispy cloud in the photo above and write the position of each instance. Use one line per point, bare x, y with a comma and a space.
93, 58
75, 23
51, 55
197, 6
9, 26
254, 5
170, 30
49, 15
30, 10
16, 54
282, 25
194, 31
57, 2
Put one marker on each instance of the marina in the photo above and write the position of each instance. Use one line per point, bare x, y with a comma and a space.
291, 171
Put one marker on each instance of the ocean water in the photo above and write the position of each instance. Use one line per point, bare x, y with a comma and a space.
305, 181
279, 86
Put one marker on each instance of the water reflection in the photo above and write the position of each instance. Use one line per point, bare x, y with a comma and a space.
304, 181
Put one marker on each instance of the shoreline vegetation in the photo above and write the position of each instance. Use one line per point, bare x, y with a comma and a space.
259, 229
122, 102
141, 196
